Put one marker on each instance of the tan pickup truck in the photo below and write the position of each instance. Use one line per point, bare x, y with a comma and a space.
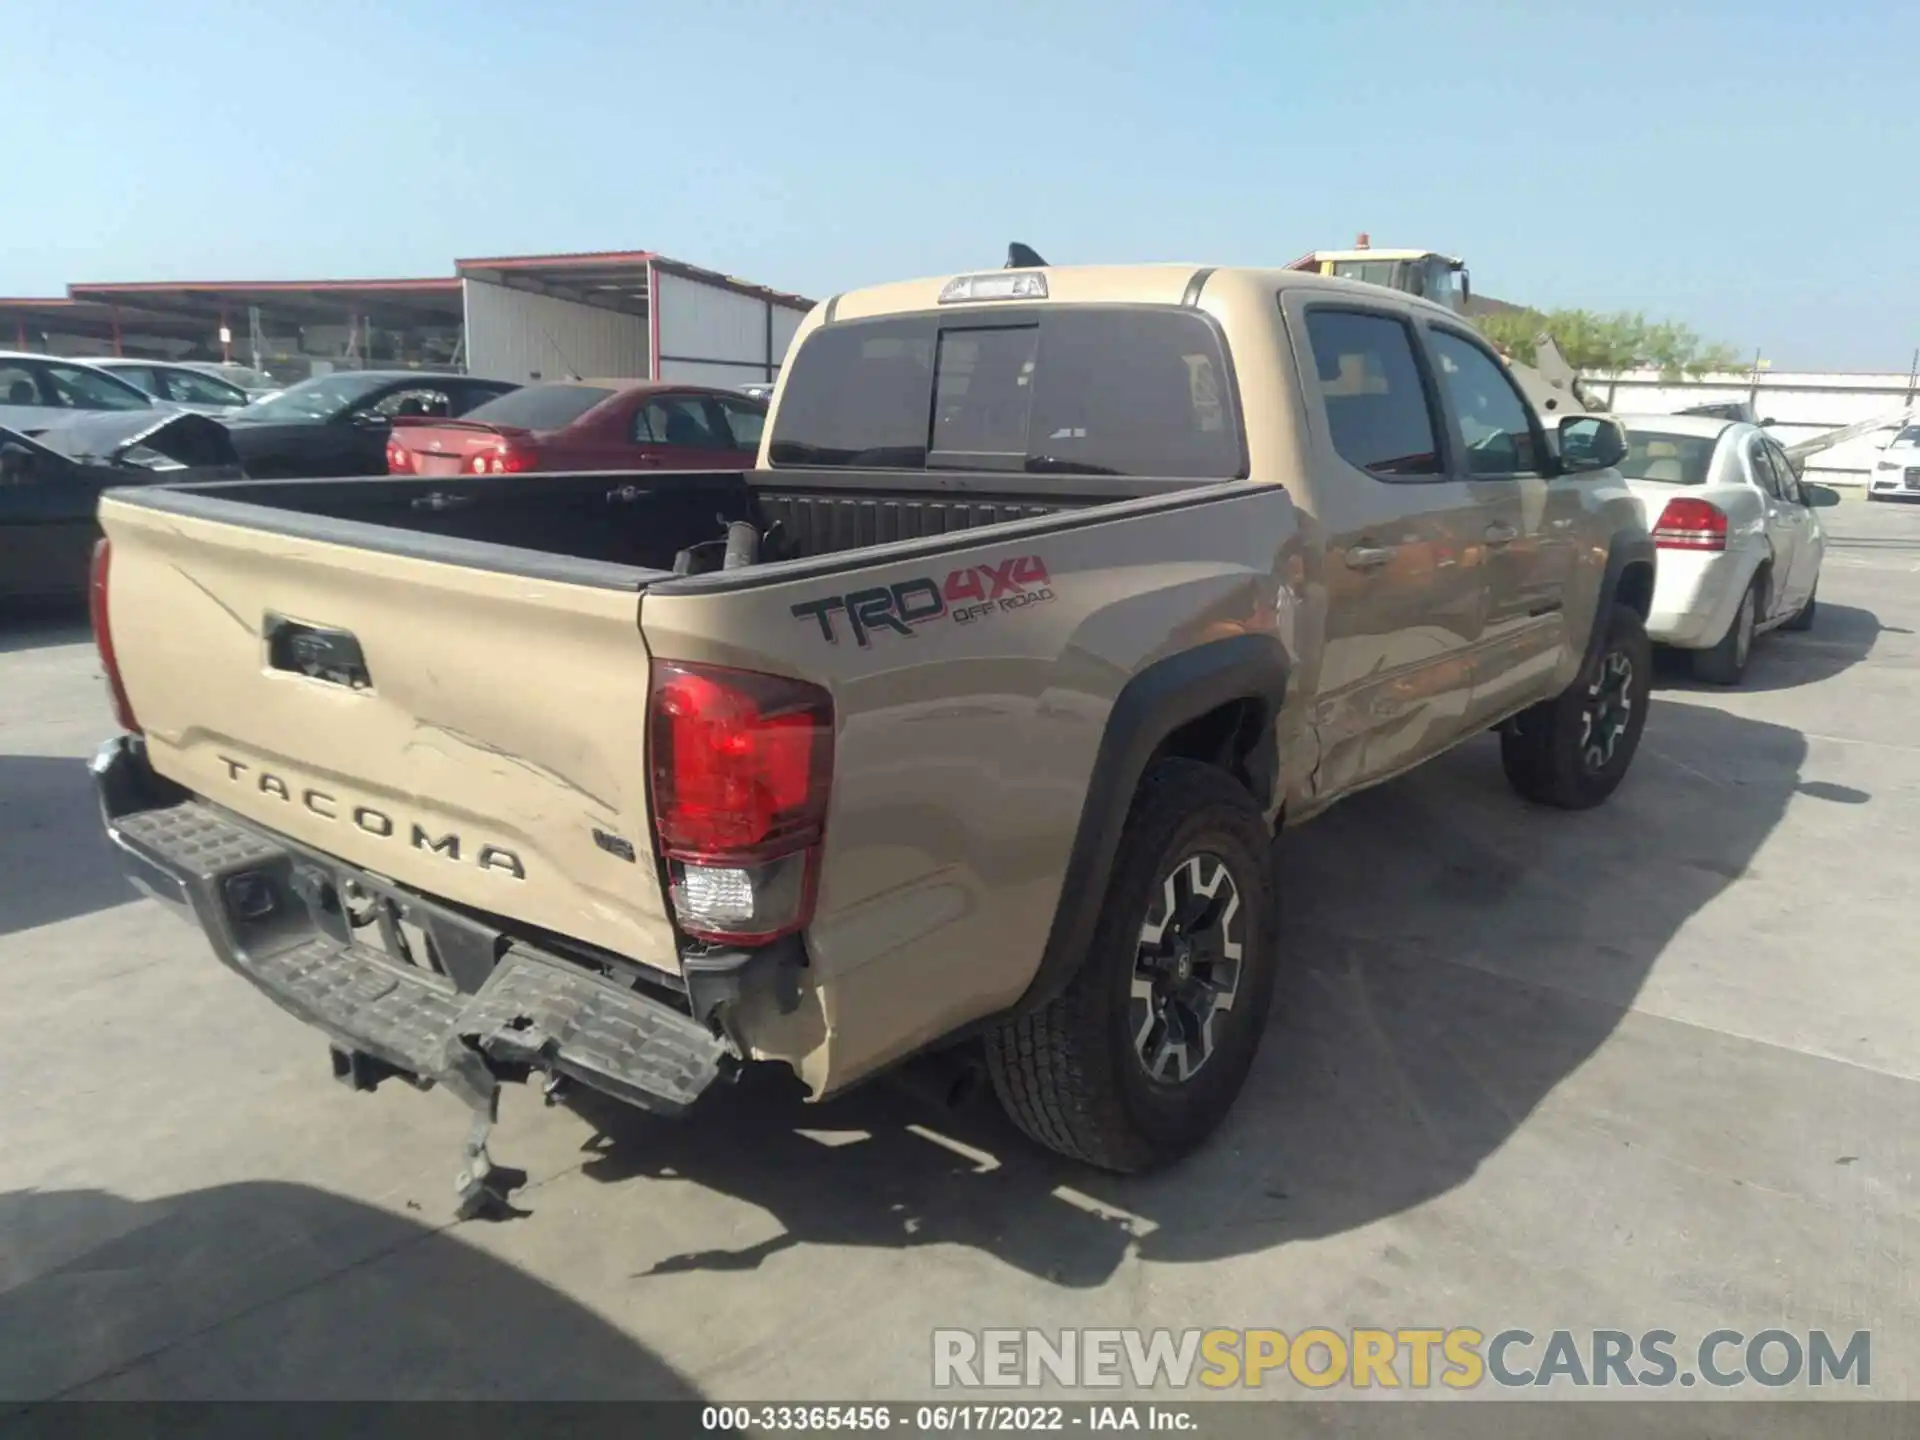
965, 719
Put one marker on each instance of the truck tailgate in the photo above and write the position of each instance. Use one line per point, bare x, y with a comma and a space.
488, 750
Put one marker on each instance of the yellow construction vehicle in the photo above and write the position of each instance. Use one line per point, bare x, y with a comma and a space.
1549, 382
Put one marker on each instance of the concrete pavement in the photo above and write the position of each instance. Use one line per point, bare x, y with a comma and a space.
1657, 1066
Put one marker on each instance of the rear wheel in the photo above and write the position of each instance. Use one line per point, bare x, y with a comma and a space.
1573, 751
1142, 1055
1726, 662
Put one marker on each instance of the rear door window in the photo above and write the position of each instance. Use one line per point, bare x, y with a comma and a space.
744, 423
681, 421
1789, 473
1762, 465
1377, 408
192, 388
415, 401
141, 375
1073, 390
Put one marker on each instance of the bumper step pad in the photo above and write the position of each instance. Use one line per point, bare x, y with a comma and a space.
533, 1011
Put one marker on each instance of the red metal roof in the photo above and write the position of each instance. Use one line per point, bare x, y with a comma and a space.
564, 258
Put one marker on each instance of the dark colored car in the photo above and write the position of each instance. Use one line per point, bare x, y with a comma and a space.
338, 424
586, 425
50, 486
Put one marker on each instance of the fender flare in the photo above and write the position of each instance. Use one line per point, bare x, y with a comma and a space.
1151, 706
1626, 548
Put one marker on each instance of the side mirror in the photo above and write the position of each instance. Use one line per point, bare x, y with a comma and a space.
1819, 497
1590, 442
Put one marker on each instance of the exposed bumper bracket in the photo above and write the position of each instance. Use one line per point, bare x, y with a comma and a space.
468, 1030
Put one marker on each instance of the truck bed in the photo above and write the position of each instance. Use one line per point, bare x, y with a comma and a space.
624, 529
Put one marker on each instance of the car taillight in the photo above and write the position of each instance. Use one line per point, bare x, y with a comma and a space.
502, 458
399, 458
103, 634
1689, 524
741, 767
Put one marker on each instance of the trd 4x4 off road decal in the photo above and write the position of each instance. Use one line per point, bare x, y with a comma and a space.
967, 596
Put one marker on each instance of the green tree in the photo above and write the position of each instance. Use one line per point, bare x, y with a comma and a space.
1597, 344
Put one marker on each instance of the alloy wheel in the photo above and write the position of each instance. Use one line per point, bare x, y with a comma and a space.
1608, 711
1187, 968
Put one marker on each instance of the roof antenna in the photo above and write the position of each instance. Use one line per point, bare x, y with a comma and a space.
572, 374
1023, 257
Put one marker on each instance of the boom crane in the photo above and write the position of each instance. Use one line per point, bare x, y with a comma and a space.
1550, 382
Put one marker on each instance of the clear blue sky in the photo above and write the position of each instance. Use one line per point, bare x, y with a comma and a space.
1742, 167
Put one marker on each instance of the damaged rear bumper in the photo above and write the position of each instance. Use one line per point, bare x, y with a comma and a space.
494, 1007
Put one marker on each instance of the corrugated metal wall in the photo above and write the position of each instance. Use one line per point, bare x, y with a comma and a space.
1800, 403
711, 335
519, 336
785, 322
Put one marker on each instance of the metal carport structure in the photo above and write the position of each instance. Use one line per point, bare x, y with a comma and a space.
632, 312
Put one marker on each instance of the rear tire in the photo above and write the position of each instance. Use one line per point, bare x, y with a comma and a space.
1803, 618
1142, 1055
1573, 751
1726, 662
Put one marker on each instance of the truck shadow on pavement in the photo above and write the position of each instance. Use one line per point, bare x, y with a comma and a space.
41, 625
278, 1291
1842, 636
1449, 956
55, 859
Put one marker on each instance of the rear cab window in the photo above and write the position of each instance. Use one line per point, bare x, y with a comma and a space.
1081, 389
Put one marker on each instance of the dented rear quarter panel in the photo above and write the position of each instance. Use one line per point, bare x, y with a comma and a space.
963, 750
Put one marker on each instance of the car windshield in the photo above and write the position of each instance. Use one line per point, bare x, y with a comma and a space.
321, 398
1672, 459
1908, 436
540, 407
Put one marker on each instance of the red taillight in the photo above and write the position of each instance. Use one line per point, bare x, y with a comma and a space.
1688, 524
399, 459
103, 634
741, 767
503, 458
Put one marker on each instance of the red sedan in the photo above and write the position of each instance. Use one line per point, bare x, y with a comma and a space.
585, 425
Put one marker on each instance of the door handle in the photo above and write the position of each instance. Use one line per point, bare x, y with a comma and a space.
1369, 557
1501, 534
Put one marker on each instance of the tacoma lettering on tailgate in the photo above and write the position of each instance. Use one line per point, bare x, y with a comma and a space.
377, 823
968, 595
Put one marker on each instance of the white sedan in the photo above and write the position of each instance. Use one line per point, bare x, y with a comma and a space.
1740, 545
1897, 472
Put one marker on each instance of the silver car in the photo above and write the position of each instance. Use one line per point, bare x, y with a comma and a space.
184, 386
45, 392
257, 383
